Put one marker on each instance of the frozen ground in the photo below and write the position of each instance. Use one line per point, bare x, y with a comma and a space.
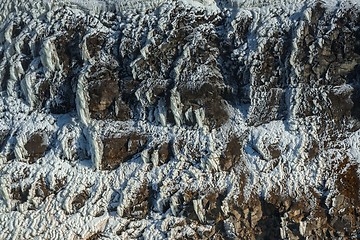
293, 138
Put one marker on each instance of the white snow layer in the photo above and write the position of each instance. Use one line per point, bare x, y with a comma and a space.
56, 219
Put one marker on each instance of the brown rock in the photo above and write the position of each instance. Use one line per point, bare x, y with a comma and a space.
20, 194
59, 184
348, 182
139, 206
43, 93
94, 43
231, 155
341, 104
122, 111
212, 204
164, 153
42, 189
35, 147
208, 96
120, 149
63, 96
313, 150
80, 200
95, 236
103, 91
274, 151
270, 221
4, 135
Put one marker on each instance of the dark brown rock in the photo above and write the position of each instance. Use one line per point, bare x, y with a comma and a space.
348, 182
103, 92
355, 97
59, 184
35, 147
313, 150
208, 97
94, 43
139, 207
68, 46
95, 236
341, 103
20, 194
43, 93
62, 94
232, 154
80, 200
274, 150
42, 189
4, 135
164, 153
212, 204
120, 149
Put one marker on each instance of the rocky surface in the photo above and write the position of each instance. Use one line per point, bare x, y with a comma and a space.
179, 120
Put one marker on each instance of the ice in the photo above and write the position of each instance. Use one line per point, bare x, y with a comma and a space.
75, 138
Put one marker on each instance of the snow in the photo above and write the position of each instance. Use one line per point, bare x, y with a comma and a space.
176, 106
78, 137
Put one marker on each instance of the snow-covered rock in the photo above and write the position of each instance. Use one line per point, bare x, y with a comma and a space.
179, 119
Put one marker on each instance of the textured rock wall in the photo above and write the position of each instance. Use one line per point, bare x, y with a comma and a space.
222, 120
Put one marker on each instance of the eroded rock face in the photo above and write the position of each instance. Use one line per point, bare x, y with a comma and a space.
36, 147
222, 121
103, 93
121, 149
232, 154
4, 135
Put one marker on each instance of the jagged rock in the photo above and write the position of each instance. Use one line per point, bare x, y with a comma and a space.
221, 119
94, 43
139, 206
232, 154
120, 149
104, 95
20, 194
42, 189
36, 147
348, 182
79, 200
4, 135
164, 153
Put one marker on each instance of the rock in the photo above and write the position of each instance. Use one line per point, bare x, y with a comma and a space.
36, 147
232, 154
212, 205
341, 103
104, 94
120, 149
348, 182
64, 100
162, 92
274, 151
79, 200
43, 93
4, 135
95, 236
139, 206
94, 43
207, 97
165, 153
20, 194
42, 189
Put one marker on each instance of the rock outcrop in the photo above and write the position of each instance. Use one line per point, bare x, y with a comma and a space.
180, 119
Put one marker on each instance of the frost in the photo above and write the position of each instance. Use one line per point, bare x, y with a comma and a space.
26, 86
278, 119
200, 212
175, 106
49, 56
160, 112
